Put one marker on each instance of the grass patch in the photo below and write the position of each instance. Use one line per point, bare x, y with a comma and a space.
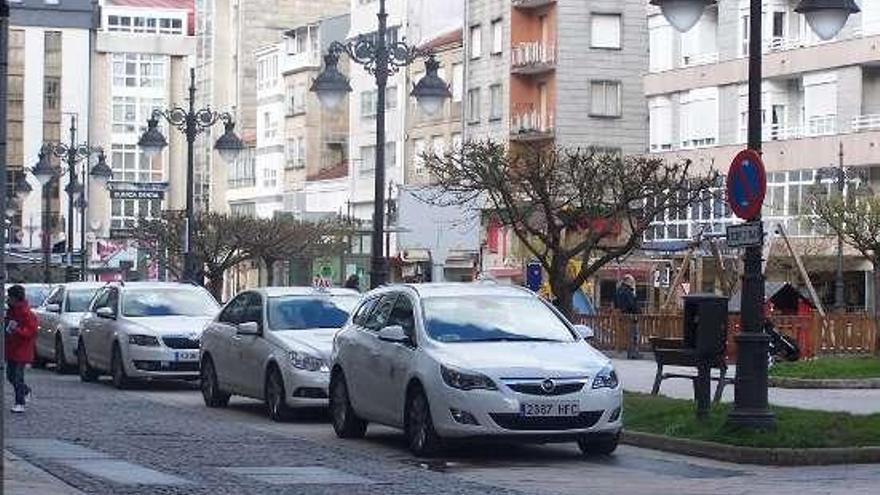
829, 368
796, 428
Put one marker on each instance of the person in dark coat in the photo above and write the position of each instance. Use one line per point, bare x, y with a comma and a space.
20, 329
626, 301
353, 282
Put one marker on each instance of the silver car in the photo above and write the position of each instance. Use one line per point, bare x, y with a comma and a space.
58, 323
274, 345
144, 330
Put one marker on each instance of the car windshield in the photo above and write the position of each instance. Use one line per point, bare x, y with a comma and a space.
493, 319
36, 295
78, 300
305, 312
167, 302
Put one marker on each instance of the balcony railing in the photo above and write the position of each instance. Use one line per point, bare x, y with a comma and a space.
530, 4
302, 60
866, 123
533, 57
530, 124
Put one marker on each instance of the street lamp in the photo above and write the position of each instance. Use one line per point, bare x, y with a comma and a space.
191, 122
826, 17
381, 59
73, 153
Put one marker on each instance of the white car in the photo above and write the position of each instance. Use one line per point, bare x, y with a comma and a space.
144, 330
58, 323
274, 345
457, 361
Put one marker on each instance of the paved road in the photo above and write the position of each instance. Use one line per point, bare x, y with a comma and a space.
163, 440
638, 376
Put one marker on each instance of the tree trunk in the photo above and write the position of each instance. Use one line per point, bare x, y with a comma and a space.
215, 285
877, 289
563, 292
270, 271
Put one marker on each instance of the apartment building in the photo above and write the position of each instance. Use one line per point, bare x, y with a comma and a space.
142, 53
567, 72
820, 103
48, 85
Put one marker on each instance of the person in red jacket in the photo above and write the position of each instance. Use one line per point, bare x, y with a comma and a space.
20, 333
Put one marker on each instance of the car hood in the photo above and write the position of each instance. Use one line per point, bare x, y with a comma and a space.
318, 342
524, 359
173, 325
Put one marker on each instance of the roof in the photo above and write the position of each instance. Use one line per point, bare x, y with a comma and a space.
771, 290
445, 40
305, 291
83, 285
159, 4
467, 289
154, 285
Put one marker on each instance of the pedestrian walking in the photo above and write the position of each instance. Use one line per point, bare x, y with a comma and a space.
626, 301
353, 282
20, 328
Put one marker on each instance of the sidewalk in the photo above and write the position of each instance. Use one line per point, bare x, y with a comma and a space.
23, 478
638, 376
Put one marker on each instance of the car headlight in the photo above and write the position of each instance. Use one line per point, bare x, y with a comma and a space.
466, 381
607, 378
73, 331
143, 340
303, 361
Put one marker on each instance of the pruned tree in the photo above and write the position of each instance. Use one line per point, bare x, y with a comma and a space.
218, 243
286, 238
566, 204
857, 221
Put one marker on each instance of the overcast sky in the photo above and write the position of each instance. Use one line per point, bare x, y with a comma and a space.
432, 17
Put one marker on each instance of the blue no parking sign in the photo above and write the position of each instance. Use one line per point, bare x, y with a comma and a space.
746, 185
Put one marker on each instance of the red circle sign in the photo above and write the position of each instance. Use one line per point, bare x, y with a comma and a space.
746, 185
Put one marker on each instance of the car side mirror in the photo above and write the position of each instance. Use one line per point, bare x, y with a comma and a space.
105, 312
395, 334
53, 308
248, 328
585, 332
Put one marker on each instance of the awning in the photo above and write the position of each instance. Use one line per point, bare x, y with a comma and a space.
415, 255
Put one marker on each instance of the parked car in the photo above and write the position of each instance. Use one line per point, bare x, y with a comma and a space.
457, 361
58, 323
274, 345
36, 293
144, 330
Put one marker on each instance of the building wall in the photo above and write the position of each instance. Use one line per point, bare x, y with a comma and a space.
488, 69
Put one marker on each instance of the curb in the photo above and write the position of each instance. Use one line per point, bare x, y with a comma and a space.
806, 383
754, 455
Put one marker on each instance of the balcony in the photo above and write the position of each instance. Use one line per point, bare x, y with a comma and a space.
295, 62
532, 58
529, 124
861, 123
530, 4
821, 125
699, 59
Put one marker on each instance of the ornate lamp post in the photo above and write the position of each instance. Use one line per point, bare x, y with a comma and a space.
826, 17
191, 122
381, 59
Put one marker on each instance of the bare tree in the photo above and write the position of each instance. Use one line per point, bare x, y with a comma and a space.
567, 204
858, 223
218, 244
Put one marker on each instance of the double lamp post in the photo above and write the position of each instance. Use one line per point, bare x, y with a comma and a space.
826, 18
380, 57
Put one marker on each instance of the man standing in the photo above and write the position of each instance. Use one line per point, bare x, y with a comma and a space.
627, 304
20, 334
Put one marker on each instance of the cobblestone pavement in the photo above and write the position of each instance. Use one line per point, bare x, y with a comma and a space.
163, 440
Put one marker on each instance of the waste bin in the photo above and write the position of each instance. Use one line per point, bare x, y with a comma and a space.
705, 332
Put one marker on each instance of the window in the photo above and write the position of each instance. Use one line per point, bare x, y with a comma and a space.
779, 24
605, 31
379, 317
243, 209
496, 102
130, 164
698, 122
605, 98
139, 70
402, 315
391, 98
744, 35
368, 104
233, 312
270, 177
497, 37
474, 105
52, 93
242, 172
363, 312
143, 24
296, 152
660, 111
420, 147
661, 38
476, 40
368, 158
457, 82
270, 125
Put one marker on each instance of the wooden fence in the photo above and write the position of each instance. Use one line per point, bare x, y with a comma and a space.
851, 333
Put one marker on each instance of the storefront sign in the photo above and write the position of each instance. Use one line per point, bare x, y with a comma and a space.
138, 194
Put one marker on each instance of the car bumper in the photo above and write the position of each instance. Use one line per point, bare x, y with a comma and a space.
162, 363
497, 414
305, 389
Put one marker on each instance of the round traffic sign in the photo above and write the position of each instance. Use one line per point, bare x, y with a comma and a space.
746, 185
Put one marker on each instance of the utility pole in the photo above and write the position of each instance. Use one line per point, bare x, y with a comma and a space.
4, 97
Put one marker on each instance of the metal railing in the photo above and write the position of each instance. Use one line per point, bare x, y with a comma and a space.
533, 53
531, 121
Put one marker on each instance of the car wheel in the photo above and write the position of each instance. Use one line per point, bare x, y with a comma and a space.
419, 427
86, 372
346, 422
214, 397
276, 405
117, 370
61, 366
598, 444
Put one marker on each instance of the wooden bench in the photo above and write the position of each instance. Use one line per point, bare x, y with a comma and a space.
672, 352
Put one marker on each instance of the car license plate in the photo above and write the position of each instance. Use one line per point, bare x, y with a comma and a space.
186, 356
550, 409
